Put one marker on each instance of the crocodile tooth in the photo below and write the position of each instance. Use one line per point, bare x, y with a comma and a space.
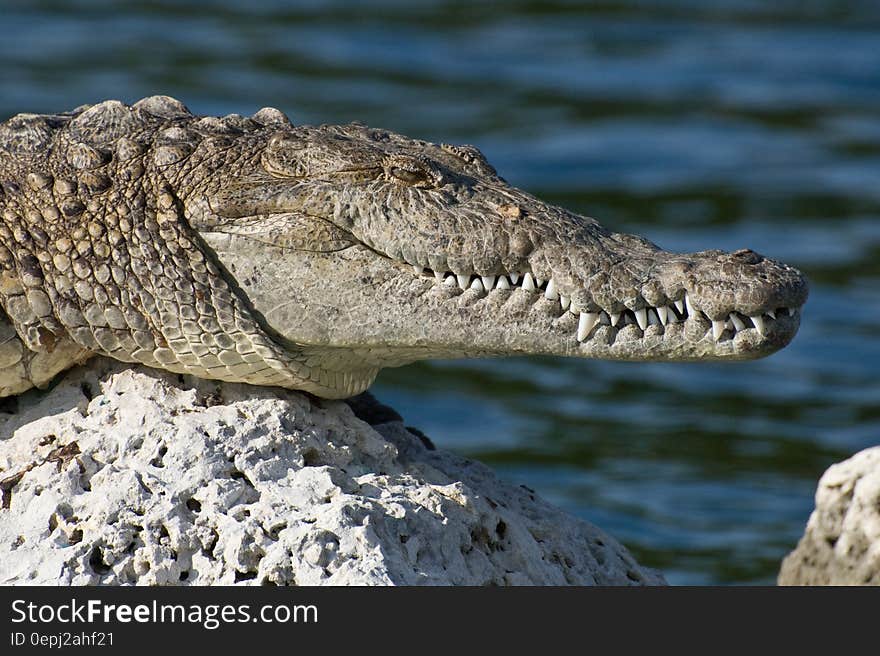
615, 318
514, 278
551, 292
438, 277
585, 324
737, 322
653, 319
450, 281
679, 306
502, 283
528, 282
717, 329
564, 301
488, 282
758, 320
417, 269
771, 314
539, 282
642, 318
463, 280
477, 284
662, 314
687, 301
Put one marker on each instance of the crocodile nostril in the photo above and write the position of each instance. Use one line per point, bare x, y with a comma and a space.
746, 256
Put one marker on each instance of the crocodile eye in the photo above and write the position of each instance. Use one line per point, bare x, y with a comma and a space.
412, 171
410, 176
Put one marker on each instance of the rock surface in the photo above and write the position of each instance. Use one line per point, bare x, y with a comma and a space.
841, 545
133, 476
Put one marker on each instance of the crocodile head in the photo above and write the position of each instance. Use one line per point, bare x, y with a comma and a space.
360, 249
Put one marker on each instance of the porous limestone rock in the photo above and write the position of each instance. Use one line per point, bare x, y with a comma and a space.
841, 544
133, 476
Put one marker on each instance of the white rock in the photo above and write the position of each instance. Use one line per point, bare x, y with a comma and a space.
160, 479
841, 544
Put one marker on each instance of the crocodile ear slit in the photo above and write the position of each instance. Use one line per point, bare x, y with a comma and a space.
289, 231
249, 199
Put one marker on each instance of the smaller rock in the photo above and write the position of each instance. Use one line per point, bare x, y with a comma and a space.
841, 545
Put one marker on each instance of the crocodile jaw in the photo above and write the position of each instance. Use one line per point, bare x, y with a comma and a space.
357, 308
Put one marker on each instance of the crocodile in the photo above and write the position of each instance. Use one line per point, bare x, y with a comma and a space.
253, 250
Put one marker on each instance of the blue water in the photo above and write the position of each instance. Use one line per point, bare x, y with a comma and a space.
698, 124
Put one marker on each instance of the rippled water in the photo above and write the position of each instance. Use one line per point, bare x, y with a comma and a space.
698, 124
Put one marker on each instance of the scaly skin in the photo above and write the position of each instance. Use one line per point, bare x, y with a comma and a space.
247, 249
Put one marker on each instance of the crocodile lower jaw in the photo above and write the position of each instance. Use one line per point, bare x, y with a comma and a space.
589, 321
